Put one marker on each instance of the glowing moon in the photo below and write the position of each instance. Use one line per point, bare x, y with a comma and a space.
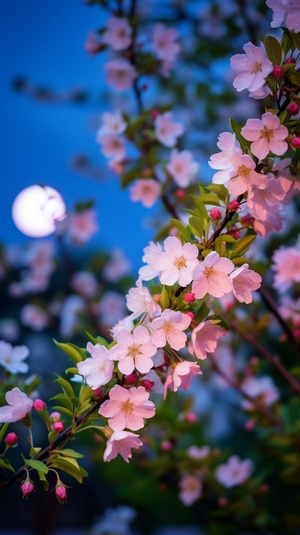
36, 210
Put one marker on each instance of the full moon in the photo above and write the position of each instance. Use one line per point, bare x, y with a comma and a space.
36, 210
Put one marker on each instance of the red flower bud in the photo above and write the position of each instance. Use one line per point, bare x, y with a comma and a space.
278, 72
11, 439
61, 492
39, 405
131, 379
191, 417
293, 108
233, 205
215, 214
58, 427
234, 232
290, 60
191, 314
180, 194
189, 297
166, 445
154, 113
147, 384
27, 487
247, 219
295, 142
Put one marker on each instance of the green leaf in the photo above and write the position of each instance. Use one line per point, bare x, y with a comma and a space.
236, 128
286, 42
97, 340
3, 429
273, 49
68, 452
182, 229
85, 394
4, 463
164, 298
210, 198
37, 465
220, 191
76, 353
65, 400
196, 225
201, 208
64, 410
34, 451
66, 386
244, 244
70, 466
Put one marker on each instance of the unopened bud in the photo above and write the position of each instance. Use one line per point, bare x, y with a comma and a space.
234, 232
278, 72
250, 425
191, 314
11, 439
233, 205
55, 416
180, 194
290, 60
293, 108
191, 418
131, 379
247, 219
147, 384
58, 427
166, 445
98, 393
27, 487
154, 113
295, 142
39, 405
189, 297
296, 333
61, 492
215, 214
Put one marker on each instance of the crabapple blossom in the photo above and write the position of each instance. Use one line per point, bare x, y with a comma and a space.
204, 339
287, 11
182, 167
133, 350
92, 44
164, 43
117, 266
111, 308
267, 135
61, 492
190, 489
234, 471
261, 388
27, 487
273, 222
85, 283
168, 329
152, 255
18, 406
97, 369
125, 323
179, 375
244, 282
34, 316
177, 262
286, 264
39, 405
118, 33
265, 199
146, 190
212, 276
252, 67
120, 74
120, 443
140, 301
11, 358
112, 147
290, 309
223, 160
127, 408
243, 175
167, 131
81, 226
112, 124
11, 439
194, 452
71, 309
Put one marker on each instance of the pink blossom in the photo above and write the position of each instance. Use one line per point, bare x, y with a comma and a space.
267, 135
179, 376
146, 190
190, 489
97, 369
140, 301
212, 276
118, 33
120, 443
260, 388
168, 329
127, 408
164, 43
82, 226
85, 283
133, 351
11, 358
290, 309
287, 11
111, 308
120, 74
152, 255
34, 316
92, 44
19, 405
204, 339
194, 452
223, 160
234, 472
112, 124
182, 167
273, 223
117, 266
167, 131
112, 147
266, 199
286, 264
244, 282
252, 67
243, 175
177, 262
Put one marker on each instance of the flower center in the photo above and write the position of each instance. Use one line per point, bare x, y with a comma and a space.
243, 170
267, 133
209, 272
126, 407
256, 67
180, 262
134, 350
168, 327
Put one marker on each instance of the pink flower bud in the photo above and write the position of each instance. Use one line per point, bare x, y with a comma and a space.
215, 214
250, 425
247, 219
295, 142
293, 108
234, 232
166, 445
290, 60
191, 417
11, 439
296, 333
55, 416
154, 113
131, 379
157, 297
98, 393
39, 405
58, 427
278, 72
189, 297
146, 173
233, 205
61, 492
191, 314
27, 487
180, 194
147, 384
222, 502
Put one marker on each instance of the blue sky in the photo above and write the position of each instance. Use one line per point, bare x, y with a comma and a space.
43, 42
